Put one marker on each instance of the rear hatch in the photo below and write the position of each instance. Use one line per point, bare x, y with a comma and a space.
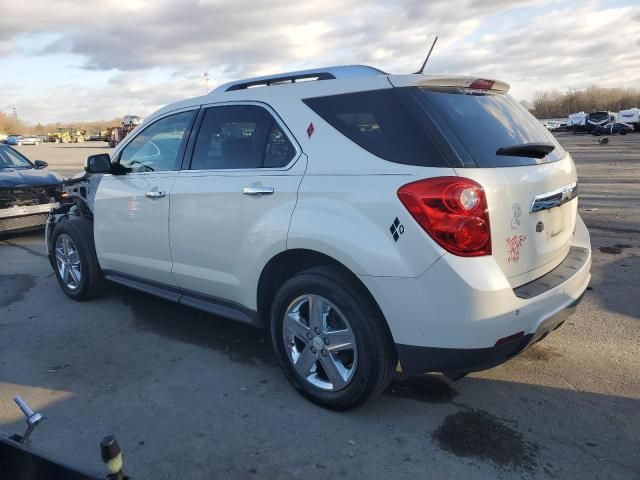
528, 178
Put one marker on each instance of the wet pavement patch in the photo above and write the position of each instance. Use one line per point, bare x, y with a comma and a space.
623, 245
478, 434
539, 353
424, 388
241, 343
611, 250
14, 287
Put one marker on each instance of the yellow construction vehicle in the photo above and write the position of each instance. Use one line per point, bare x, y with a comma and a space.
67, 135
77, 134
61, 136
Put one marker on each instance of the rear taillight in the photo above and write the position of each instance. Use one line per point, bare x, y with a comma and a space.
453, 211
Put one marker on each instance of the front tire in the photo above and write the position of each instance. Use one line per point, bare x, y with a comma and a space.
331, 339
74, 261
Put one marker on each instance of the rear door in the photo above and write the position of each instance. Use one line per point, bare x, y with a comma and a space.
131, 221
231, 207
531, 192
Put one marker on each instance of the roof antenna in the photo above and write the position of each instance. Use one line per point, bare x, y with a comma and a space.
419, 72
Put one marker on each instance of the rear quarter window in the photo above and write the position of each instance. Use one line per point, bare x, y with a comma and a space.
380, 122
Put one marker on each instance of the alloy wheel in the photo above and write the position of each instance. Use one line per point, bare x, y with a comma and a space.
68, 262
319, 342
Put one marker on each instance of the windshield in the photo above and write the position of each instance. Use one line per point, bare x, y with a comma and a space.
478, 125
11, 160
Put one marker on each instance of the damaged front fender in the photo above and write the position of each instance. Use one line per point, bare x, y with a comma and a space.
78, 194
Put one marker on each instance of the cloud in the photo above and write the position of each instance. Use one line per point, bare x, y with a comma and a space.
242, 35
533, 44
561, 48
124, 94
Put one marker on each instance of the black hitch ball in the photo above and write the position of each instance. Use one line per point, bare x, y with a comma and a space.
603, 141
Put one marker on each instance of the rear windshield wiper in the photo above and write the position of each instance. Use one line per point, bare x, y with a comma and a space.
532, 150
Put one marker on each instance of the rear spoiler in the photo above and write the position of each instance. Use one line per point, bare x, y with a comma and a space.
449, 81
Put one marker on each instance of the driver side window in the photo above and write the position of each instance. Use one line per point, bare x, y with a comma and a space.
157, 147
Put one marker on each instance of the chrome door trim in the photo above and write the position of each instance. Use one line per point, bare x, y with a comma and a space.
554, 198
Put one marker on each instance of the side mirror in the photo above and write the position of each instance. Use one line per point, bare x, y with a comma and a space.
100, 163
40, 164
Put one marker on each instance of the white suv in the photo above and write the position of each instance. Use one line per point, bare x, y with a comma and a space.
373, 222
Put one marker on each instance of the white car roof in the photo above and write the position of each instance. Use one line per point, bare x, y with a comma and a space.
282, 87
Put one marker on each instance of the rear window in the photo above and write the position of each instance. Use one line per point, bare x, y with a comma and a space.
436, 127
381, 123
478, 124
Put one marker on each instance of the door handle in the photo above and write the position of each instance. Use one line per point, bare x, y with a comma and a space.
258, 190
154, 194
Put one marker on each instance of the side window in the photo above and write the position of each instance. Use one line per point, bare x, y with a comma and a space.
157, 147
239, 136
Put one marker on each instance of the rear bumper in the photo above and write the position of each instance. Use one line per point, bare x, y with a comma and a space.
457, 362
456, 316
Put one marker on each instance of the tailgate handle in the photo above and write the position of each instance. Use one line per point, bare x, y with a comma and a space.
555, 198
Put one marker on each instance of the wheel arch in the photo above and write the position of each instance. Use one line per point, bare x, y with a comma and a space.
288, 263
78, 208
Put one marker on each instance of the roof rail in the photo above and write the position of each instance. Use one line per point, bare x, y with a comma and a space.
327, 73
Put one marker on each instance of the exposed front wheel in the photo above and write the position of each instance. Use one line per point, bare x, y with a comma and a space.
331, 339
74, 261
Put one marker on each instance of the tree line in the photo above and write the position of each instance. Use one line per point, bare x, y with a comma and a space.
11, 124
556, 104
547, 104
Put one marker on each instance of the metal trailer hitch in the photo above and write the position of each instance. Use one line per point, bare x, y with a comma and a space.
33, 419
21, 462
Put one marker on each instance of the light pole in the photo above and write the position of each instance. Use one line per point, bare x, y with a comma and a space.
206, 81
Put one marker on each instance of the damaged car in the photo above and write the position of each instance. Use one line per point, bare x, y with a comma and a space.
371, 223
27, 191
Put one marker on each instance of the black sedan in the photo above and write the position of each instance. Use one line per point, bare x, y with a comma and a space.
27, 191
612, 129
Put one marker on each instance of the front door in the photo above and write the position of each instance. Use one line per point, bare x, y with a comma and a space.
131, 221
230, 211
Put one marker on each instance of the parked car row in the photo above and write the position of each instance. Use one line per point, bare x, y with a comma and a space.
22, 140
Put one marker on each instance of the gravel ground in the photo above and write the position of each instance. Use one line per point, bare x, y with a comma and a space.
190, 395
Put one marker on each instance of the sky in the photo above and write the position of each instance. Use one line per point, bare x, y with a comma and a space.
79, 61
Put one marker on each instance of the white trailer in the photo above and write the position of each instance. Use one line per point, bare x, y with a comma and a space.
630, 116
577, 121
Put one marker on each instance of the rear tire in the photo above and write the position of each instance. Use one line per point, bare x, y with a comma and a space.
366, 369
77, 270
